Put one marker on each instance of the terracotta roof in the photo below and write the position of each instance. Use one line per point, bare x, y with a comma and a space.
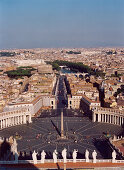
120, 102
111, 89
89, 100
119, 145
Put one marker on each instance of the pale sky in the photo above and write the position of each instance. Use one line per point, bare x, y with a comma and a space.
61, 23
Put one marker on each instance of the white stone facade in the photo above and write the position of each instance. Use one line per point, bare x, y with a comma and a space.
33, 106
74, 102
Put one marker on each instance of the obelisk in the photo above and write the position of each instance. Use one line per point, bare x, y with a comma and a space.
62, 128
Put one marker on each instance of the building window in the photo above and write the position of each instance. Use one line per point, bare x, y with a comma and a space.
70, 102
52, 102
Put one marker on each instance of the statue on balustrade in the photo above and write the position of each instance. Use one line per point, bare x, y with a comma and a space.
114, 156
34, 156
64, 155
94, 154
55, 156
43, 154
87, 155
74, 155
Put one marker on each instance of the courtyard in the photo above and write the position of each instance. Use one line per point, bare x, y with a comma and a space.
81, 134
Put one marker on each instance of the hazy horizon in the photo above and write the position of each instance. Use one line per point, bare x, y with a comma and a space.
61, 24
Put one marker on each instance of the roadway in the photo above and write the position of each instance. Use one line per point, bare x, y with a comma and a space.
61, 95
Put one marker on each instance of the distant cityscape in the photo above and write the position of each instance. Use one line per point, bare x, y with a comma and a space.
82, 82
41, 79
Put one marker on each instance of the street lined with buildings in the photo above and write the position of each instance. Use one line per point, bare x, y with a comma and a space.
49, 109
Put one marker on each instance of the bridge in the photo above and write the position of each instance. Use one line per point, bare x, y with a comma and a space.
63, 67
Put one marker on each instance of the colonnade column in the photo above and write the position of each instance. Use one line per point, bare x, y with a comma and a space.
106, 116
21, 119
99, 117
121, 120
117, 120
9, 121
30, 119
1, 125
6, 120
113, 119
14, 120
109, 118
94, 117
24, 119
18, 120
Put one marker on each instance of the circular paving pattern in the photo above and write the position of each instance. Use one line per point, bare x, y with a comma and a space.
53, 138
81, 133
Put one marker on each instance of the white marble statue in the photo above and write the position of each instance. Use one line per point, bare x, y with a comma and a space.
87, 155
114, 156
94, 154
34, 156
74, 155
43, 154
64, 155
55, 156
14, 146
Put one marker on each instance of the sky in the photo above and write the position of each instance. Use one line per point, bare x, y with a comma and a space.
61, 23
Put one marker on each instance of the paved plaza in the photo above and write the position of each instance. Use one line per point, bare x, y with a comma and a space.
81, 134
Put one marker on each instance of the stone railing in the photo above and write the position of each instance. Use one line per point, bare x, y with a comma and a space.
60, 160
101, 109
14, 112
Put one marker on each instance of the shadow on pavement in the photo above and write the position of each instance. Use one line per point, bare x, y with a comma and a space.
103, 147
56, 128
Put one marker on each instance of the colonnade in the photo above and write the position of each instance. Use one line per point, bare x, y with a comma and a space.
108, 117
14, 118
